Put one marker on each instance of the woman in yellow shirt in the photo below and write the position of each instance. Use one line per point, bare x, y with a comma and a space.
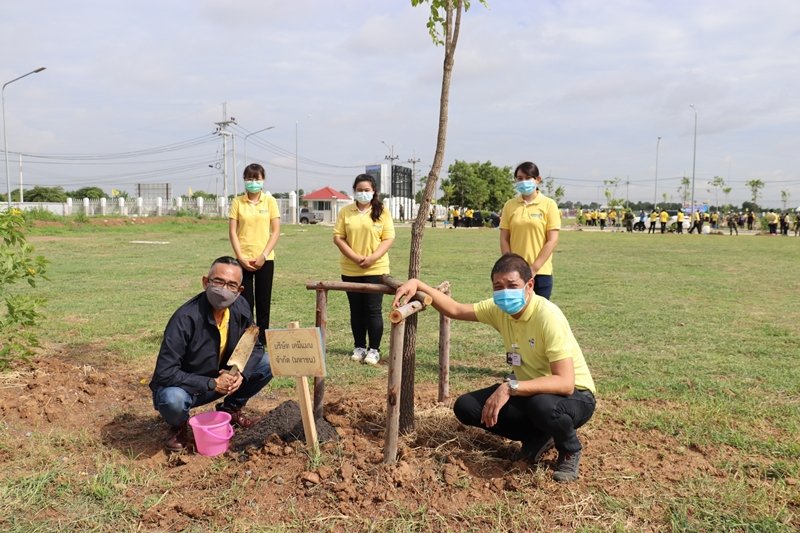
529, 227
364, 232
254, 225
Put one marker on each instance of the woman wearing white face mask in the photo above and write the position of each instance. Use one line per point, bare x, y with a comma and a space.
364, 232
254, 227
529, 227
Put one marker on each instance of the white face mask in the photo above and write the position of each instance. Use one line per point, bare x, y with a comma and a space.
363, 197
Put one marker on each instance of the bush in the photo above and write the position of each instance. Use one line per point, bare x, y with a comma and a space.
40, 214
21, 313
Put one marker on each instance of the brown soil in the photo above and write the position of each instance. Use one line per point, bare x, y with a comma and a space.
444, 468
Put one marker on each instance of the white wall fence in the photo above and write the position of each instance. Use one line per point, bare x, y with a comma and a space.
147, 207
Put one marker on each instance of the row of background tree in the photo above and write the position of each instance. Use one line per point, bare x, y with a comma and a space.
479, 185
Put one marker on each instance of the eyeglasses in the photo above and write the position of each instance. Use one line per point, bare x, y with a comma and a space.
230, 285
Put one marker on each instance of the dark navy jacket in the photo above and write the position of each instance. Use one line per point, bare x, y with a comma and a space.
189, 353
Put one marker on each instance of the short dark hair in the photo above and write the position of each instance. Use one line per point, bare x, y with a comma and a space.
254, 170
225, 260
528, 168
512, 263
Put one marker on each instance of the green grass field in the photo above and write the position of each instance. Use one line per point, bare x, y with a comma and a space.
696, 337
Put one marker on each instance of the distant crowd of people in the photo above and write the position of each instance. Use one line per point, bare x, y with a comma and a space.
661, 221
466, 217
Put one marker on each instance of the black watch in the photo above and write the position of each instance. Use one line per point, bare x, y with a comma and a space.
212, 384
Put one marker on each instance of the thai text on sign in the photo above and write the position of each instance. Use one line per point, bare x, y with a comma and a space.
296, 352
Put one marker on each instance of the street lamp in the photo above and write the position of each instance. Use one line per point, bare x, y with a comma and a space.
5, 135
694, 154
248, 135
296, 170
655, 192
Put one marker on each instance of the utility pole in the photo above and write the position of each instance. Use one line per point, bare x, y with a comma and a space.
414, 161
391, 158
655, 192
222, 130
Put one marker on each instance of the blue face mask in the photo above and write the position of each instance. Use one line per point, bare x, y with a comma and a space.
525, 187
510, 301
363, 197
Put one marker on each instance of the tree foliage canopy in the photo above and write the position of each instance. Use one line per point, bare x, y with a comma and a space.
477, 185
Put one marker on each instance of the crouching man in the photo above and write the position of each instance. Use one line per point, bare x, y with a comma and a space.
191, 367
550, 392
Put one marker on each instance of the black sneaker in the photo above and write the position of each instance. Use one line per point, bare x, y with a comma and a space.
532, 450
567, 466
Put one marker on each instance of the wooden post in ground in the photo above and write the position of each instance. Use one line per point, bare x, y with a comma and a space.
393, 392
444, 349
306, 411
322, 324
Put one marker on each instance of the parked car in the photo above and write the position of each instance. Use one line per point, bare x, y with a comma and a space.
308, 216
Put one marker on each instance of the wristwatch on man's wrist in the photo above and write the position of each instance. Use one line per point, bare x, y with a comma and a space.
212, 384
513, 387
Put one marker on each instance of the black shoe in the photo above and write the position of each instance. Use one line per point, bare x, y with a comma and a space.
532, 450
567, 466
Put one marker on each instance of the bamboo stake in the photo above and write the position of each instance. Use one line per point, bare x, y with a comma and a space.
404, 311
393, 392
322, 324
444, 349
349, 287
394, 283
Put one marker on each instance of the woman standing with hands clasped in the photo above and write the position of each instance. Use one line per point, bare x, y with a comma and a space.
254, 227
364, 232
529, 227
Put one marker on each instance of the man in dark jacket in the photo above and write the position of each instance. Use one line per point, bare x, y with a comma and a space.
191, 368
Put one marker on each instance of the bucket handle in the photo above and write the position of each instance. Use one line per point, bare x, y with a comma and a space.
229, 436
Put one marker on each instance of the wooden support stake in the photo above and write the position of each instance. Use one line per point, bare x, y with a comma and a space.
349, 287
405, 311
393, 392
306, 411
394, 283
322, 324
444, 349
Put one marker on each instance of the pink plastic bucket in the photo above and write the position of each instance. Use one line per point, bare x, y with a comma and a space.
212, 432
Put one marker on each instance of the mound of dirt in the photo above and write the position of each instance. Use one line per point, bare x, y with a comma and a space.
286, 422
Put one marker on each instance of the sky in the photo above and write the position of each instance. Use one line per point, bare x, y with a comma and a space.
590, 91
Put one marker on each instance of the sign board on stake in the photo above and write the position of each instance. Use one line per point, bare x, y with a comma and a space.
296, 352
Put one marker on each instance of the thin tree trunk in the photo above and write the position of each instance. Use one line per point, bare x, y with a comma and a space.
418, 227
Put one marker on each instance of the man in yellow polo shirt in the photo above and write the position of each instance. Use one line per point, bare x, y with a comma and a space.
550, 391
663, 217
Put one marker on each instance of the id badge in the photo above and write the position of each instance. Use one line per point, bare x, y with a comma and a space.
513, 359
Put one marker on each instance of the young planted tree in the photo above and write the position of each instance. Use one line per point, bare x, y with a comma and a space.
684, 190
717, 183
20, 312
444, 24
755, 186
785, 195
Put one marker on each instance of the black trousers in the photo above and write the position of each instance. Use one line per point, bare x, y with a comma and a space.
529, 417
652, 228
365, 314
258, 293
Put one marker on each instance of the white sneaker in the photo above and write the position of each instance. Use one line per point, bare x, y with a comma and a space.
372, 357
359, 354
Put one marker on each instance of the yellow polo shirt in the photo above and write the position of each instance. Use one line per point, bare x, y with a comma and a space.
542, 335
663, 216
223, 331
680, 216
253, 223
653, 216
528, 225
364, 236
